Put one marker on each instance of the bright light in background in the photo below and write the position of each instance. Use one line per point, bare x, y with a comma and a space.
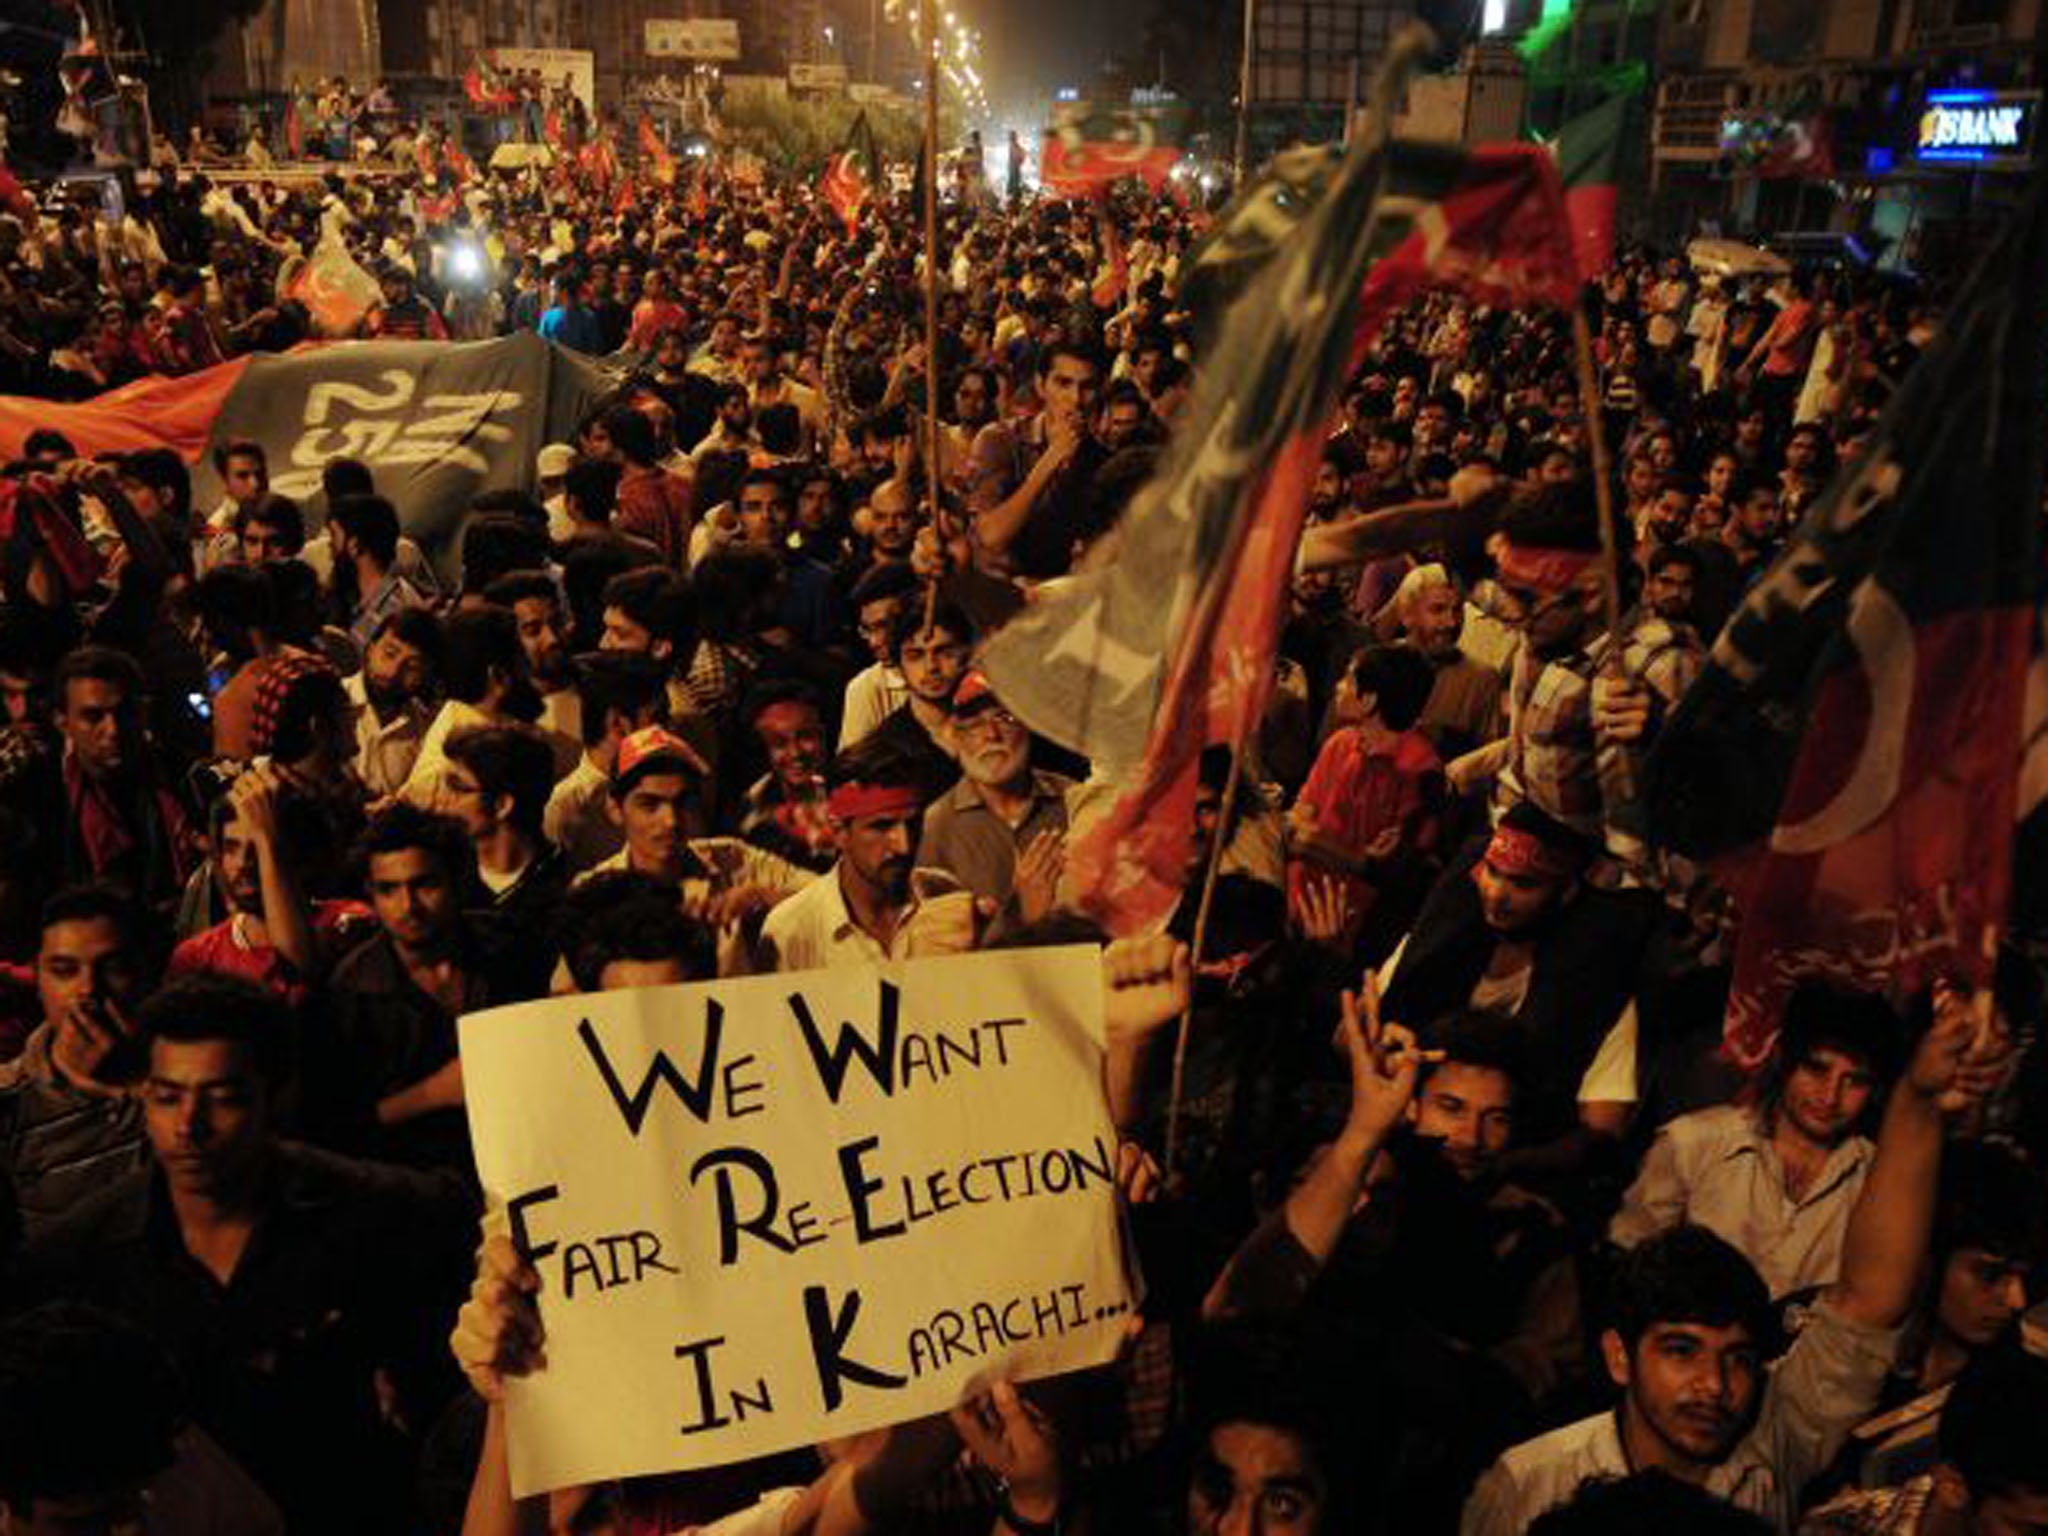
959, 48
1494, 16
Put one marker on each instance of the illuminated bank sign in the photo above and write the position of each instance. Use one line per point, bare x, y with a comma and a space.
1988, 128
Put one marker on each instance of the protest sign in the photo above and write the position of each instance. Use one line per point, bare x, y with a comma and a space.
780, 1208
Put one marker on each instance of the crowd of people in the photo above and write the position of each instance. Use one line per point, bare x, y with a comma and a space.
1467, 1224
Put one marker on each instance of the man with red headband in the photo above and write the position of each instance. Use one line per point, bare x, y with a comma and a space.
1572, 711
1512, 929
874, 903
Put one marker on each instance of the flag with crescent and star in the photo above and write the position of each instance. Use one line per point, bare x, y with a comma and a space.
1089, 147
1170, 649
852, 175
1848, 764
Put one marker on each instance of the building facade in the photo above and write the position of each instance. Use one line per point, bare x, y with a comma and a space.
1902, 123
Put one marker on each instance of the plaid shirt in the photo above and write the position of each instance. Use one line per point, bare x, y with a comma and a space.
1555, 758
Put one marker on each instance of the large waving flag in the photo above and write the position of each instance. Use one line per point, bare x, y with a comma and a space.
1090, 147
333, 286
655, 155
852, 175
1849, 759
1141, 666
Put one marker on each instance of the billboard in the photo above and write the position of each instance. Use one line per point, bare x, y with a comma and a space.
703, 37
817, 77
1992, 129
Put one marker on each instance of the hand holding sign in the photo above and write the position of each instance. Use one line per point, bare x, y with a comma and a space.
498, 1332
1018, 1444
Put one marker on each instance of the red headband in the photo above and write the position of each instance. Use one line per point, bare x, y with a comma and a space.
1515, 852
850, 802
1542, 570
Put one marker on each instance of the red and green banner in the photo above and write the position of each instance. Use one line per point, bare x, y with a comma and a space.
1589, 150
436, 423
334, 287
852, 175
486, 91
655, 155
1089, 148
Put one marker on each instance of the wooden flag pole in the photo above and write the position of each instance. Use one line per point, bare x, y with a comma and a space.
1603, 502
1603, 489
931, 304
1217, 842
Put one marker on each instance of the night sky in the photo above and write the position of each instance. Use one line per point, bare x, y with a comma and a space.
1031, 47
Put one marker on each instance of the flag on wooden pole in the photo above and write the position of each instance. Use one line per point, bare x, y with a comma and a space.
1170, 650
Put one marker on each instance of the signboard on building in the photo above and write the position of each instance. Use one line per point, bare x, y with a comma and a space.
552, 64
703, 37
817, 77
869, 94
1993, 130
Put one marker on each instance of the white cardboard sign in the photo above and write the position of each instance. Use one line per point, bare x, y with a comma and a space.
776, 1209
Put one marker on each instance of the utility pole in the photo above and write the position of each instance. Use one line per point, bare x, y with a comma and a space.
1244, 92
874, 39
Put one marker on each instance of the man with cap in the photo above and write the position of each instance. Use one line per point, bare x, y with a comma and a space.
874, 903
657, 797
551, 468
1001, 831
1463, 710
1779, 1177
404, 315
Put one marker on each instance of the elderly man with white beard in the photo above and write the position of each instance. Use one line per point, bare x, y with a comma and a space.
1001, 831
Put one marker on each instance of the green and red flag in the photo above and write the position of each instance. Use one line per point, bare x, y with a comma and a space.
1589, 150
333, 287
1089, 147
1142, 665
1848, 763
852, 175
437, 424
486, 91
655, 155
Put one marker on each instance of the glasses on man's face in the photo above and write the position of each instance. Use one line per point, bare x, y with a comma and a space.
991, 721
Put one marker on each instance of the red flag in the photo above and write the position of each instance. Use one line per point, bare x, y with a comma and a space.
1171, 650
154, 412
852, 175
335, 289
1089, 148
845, 188
656, 154
14, 197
